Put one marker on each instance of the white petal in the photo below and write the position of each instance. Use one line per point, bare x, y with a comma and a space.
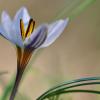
8, 30
6, 23
22, 14
4, 34
16, 35
14, 38
6, 27
54, 31
37, 36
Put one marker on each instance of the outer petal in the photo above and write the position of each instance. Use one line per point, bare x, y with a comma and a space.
5, 29
54, 31
37, 37
17, 36
22, 14
4, 34
8, 30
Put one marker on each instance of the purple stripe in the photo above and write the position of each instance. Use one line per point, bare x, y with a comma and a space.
41, 41
34, 40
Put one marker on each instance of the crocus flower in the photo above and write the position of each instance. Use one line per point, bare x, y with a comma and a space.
21, 31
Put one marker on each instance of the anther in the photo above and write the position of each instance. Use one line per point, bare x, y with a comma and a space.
30, 28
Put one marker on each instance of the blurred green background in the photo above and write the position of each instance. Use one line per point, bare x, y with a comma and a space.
74, 55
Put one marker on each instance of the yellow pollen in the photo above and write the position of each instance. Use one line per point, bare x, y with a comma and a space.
29, 30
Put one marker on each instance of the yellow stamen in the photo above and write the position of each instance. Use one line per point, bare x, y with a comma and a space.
22, 29
30, 28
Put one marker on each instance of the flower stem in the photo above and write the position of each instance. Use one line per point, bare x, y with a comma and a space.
17, 82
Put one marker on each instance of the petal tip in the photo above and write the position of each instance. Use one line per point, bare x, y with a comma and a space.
4, 14
22, 13
23, 9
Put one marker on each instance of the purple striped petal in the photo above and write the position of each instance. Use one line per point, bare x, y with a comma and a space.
54, 31
37, 37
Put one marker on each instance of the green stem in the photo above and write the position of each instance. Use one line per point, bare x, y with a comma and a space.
69, 83
73, 11
81, 8
7, 90
69, 87
74, 91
